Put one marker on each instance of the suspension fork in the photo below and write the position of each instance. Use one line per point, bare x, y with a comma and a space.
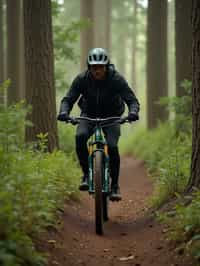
90, 165
106, 181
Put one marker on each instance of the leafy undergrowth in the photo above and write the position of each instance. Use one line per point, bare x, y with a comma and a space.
167, 148
167, 157
167, 153
184, 226
33, 188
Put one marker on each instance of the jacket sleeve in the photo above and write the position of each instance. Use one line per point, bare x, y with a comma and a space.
71, 96
128, 96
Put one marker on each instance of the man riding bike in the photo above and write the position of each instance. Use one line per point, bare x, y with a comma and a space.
103, 93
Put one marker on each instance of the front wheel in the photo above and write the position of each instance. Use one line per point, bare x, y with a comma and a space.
105, 207
98, 178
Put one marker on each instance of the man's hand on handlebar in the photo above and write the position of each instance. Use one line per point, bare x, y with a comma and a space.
63, 116
72, 120
133, 116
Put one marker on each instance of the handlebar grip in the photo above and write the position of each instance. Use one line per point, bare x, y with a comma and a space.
72, 120
123, 120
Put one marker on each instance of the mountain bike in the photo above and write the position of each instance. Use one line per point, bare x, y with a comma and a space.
98, 162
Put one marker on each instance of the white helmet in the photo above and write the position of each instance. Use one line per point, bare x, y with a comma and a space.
97, 56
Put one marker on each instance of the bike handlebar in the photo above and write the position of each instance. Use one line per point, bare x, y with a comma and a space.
114, 119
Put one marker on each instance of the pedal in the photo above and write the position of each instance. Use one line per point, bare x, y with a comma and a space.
84, 187
115, 198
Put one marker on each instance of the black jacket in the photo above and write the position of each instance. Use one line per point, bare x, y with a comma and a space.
100, 98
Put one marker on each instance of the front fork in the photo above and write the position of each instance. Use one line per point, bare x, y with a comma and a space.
106, 183
106, 172
90, 165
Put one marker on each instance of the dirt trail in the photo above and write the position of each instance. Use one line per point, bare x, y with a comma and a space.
132, 236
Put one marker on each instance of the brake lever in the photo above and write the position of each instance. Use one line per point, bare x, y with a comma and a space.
72, 120
123, 120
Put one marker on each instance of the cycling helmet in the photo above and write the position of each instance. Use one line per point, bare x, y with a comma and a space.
97, 56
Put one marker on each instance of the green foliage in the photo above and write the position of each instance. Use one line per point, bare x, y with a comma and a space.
166, 149
33, 187
66, 137
181, 108
184, 227
173, 170
56, 8
66, 38
150, 145
167, 157
12, 121
42, 141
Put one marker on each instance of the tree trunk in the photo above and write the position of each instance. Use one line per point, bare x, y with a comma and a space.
134, 49
101, 28
86, 42
13, 50
39, 65
156, 61
183, 40
1, 43
21, 54
171, 49
195, 165
1, 51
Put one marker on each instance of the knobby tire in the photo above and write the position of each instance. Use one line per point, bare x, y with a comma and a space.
98, 177
105, 207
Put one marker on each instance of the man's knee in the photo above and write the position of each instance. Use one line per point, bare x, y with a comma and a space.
112, 141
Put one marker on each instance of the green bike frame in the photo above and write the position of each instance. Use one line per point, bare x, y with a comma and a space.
101, 145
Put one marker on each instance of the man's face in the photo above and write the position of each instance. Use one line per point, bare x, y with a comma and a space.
98, 71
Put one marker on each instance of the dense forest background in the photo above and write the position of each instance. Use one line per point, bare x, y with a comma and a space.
43, 46
126, 26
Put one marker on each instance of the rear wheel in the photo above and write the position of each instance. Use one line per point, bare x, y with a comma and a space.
98, 177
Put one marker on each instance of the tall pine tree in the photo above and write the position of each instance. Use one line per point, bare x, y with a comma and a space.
86, 34
183, 40
13, 50
39, 65
195, 166
156, 61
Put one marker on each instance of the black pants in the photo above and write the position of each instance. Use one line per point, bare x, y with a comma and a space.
112, 134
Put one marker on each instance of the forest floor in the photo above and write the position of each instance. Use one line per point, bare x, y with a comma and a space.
132, 236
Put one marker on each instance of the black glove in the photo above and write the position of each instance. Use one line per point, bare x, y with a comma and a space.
63, 116
132, 116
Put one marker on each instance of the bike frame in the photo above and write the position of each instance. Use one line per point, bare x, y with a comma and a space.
101, 145
99, 140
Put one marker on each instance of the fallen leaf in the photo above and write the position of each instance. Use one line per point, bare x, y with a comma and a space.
126, 258
165, 230
51, 241
55, 262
